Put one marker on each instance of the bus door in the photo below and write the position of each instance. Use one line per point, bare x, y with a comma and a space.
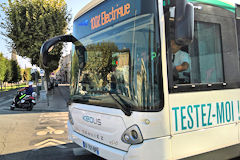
238, 38
204, 94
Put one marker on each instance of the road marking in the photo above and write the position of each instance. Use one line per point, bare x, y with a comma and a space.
53, 119
55, 115
48, 143
49, 130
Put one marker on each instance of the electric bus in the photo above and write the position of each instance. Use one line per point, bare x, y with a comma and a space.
131, 100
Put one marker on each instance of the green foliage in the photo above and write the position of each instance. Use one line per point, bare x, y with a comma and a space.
3, 67
99, 61
9, 70
98, 65
29, 23
15, 71
8, 73
26, 76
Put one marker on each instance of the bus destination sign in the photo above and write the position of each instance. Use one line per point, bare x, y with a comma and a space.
105, 18
104, 15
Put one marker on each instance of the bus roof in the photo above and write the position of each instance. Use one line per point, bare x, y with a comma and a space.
88, 7
226, 4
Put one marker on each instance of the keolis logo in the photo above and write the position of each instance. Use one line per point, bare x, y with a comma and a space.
92, 120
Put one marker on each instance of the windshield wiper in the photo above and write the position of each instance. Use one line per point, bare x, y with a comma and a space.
78, 99
125, 107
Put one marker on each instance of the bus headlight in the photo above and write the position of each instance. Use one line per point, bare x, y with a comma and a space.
132, 135
70, 118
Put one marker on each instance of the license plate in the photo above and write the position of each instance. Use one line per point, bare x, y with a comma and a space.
91, 148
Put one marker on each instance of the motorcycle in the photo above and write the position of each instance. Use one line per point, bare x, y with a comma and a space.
24, 101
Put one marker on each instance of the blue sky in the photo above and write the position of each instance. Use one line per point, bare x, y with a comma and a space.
73, 5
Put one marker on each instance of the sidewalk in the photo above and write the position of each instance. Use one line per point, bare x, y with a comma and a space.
56, 100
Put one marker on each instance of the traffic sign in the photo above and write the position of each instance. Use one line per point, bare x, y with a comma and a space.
42, 72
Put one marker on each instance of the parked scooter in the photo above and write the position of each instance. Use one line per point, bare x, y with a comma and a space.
24, 101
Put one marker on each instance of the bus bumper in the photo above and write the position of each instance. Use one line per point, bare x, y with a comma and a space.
157, 148
103, 150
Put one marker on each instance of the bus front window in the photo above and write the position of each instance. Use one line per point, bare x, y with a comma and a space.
122, 65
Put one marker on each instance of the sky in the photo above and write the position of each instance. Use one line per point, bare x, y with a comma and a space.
73, 5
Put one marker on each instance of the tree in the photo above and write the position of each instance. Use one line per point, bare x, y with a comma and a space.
29, 23
26, 74
100, 61
15, 71
3, 68
8, 73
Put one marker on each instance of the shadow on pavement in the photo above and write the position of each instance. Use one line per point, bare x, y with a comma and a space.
63, 152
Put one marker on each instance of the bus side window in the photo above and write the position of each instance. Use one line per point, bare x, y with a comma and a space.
214, 55
206, 54
238, 34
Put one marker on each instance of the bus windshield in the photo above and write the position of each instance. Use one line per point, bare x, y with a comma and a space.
123, 65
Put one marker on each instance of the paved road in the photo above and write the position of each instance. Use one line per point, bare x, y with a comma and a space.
40, 133
5, 100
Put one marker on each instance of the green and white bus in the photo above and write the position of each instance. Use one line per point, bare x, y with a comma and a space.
129, 98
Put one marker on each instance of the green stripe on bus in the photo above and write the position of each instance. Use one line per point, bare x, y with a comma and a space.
218, 3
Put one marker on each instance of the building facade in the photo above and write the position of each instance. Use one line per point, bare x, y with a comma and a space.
63, 74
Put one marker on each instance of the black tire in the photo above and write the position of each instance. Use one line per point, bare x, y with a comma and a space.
12, 108
30, 107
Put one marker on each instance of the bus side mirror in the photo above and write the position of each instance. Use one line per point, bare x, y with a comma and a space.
49, 44
184, 22
237, 11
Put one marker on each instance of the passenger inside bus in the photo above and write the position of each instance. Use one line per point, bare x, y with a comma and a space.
181, 63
